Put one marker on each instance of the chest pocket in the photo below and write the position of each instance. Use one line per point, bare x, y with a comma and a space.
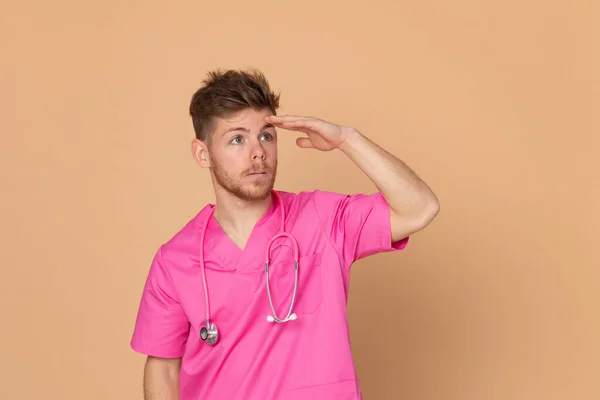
309, 293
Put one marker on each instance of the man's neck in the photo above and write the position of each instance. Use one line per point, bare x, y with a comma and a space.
237, 217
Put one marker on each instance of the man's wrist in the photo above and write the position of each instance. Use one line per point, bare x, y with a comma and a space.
350, 137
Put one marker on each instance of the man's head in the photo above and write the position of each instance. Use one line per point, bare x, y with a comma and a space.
232, 137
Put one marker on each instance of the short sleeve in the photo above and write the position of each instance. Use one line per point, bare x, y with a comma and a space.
358, 225
161, 327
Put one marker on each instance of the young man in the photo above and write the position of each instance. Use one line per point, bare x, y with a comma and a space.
214, 321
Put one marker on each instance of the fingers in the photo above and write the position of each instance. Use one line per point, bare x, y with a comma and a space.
289, 119
303, 143
295, 122
284, 118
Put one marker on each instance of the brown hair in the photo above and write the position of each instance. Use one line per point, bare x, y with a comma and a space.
224, 93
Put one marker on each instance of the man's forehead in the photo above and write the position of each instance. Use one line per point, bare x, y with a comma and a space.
245, 120
246, 114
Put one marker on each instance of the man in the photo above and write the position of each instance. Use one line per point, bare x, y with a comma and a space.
213, 270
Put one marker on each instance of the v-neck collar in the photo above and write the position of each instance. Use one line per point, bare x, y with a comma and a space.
251, 257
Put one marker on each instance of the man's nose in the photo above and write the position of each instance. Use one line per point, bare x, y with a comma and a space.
258, 152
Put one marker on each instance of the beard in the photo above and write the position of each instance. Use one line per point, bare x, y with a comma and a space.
252, 191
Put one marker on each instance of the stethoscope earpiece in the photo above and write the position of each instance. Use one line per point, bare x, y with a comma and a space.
292, 317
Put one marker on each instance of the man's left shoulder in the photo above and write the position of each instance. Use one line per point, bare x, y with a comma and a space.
301, 199
306, 196
292, 200
315, 202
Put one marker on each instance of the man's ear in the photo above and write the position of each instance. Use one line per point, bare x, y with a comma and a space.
200, 153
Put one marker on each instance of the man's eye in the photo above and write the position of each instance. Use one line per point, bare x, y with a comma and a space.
236, 139
267, 136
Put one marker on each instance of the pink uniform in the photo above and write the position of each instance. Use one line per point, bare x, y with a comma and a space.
307, 358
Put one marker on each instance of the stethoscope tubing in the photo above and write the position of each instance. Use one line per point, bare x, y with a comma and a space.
282, 233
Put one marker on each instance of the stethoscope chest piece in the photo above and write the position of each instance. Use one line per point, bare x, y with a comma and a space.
211, 334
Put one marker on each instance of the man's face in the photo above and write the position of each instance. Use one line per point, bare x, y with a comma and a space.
243, 154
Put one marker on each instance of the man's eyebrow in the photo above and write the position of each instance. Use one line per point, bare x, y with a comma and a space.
241, 128
236, 128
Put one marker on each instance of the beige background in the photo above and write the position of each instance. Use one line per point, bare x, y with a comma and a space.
492, 103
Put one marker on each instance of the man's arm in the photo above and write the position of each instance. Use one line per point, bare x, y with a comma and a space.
161, 378
160, 332
413, 205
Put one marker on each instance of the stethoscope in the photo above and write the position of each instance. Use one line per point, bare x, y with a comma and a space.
210, 333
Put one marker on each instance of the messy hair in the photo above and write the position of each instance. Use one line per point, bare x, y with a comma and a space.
226, 92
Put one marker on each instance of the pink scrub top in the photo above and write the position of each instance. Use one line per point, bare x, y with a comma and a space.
307, 358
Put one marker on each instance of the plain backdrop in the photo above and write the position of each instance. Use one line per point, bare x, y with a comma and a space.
494, 104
